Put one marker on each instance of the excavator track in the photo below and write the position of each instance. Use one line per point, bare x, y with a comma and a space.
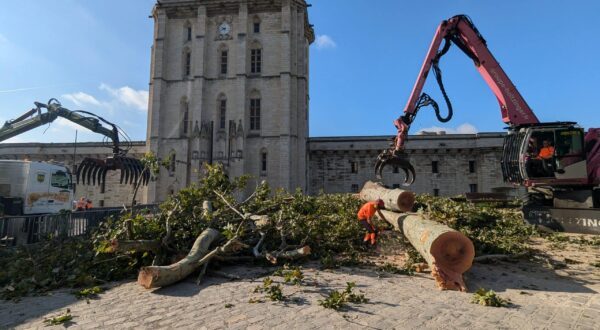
571, 220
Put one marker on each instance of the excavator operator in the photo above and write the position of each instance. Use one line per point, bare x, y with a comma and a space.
547, 151
365, 215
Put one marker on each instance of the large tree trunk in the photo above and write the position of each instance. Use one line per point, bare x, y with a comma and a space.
395, 199
158, 276
448, 252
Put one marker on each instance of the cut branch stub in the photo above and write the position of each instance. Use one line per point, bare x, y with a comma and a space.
158, 276
448, 252
134, 245
395, 199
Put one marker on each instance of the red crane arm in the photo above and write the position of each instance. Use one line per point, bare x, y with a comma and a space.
461, 31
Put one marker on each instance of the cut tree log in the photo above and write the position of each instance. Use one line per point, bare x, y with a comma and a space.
134, 245
448, 252
159, 276
395, 199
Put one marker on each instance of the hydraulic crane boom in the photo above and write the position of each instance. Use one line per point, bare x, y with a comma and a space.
90, 170
460, 31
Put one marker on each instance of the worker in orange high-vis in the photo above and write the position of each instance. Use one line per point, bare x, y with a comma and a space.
80, 206
547, 151
365, 216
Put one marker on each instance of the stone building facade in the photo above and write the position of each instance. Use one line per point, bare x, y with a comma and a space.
445, 165
229, 84
115, 194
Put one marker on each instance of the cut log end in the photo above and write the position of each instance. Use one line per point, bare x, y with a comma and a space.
406, 200
453, 252
147, 277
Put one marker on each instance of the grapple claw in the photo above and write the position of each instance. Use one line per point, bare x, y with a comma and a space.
93, 171
397, 159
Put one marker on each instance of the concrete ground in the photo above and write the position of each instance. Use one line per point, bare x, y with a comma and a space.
542, 296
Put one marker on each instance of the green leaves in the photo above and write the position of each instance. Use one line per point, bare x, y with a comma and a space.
488, 298
493, 230
60, 319
336, 299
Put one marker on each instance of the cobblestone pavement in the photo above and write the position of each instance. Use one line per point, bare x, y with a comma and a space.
542, 299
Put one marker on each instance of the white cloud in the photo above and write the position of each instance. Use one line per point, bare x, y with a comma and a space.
62, 122
81, 99
465, 128
128, 96
324, 41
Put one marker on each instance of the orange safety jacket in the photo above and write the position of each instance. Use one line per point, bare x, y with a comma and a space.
367, 211
80, 205
546, 152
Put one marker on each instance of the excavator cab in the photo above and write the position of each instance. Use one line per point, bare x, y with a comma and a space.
545, 154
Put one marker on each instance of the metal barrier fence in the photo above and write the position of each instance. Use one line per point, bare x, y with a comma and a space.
28, 229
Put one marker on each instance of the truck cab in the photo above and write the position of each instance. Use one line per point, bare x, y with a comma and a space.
40, 187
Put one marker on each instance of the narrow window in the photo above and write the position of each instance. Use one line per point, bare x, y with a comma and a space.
434, 166
471, 166
255, 114
186, 120
436, 192
353, 167
396, 169
222, 113
255, 61
473, 187
256, 27
224, 62
172, 162
354, 188
263, 162
189, 33
188, 63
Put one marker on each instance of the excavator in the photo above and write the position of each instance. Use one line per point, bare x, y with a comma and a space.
90, 170
563, 188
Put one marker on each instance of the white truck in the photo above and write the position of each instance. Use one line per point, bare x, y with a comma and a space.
28, 187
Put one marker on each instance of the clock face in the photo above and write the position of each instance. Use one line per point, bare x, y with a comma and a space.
224, 28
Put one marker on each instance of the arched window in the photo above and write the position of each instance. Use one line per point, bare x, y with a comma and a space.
223, 59
256, 58
185, 116
187, 30
256, 24
222, 111
255, 111
187, 62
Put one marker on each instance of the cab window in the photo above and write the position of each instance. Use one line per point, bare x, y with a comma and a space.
569, 142
60, 179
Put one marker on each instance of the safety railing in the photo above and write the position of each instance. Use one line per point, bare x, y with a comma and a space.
28, 229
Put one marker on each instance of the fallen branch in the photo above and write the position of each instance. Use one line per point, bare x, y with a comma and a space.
134, 245
159, 276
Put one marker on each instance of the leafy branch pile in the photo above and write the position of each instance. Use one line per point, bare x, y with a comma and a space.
268, 226
492, 230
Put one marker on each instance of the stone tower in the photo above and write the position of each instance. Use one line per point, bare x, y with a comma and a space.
229, 84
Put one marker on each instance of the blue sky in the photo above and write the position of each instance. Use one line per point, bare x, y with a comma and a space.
95, 55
